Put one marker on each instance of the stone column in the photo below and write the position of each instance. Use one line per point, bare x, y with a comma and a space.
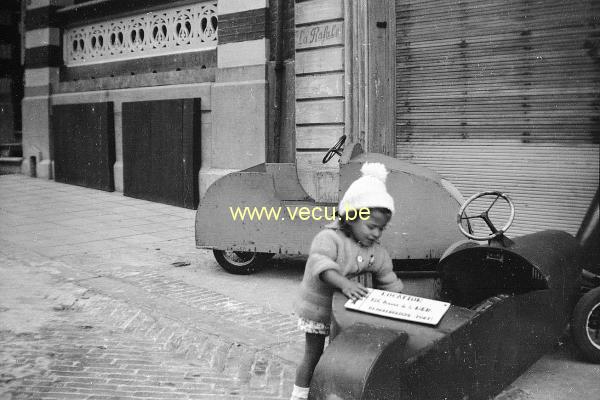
43, 57
239, 95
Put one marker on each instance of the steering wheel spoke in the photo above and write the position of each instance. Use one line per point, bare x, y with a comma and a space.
488, 222
470, 217
492, 205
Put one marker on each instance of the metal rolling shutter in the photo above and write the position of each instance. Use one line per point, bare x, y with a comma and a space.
504, 95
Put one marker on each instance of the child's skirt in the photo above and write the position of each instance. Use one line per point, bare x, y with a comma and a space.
309, 326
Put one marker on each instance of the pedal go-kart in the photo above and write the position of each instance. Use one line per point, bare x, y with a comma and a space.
420, 231
511, 300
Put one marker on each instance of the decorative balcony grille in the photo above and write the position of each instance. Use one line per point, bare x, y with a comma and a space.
169, 31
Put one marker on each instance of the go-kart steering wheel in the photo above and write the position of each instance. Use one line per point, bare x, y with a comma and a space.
336, 149
485, 216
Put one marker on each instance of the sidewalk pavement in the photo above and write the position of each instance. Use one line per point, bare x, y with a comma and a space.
106, 297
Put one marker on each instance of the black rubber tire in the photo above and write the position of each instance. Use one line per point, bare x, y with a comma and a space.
245, 263
587, 310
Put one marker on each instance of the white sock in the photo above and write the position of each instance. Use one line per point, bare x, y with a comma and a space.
299, 393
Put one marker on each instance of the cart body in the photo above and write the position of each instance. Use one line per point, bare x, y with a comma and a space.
422, 227
511, 301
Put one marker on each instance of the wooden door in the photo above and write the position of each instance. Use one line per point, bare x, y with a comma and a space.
84, 144
161, 151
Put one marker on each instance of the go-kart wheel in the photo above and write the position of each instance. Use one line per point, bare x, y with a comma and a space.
462, 215
585, 325
241, 262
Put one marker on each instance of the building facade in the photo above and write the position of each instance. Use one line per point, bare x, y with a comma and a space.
94, 69
492, 95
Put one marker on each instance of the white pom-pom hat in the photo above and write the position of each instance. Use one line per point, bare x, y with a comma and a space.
368, 191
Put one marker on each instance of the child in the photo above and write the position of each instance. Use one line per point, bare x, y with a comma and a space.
344, 248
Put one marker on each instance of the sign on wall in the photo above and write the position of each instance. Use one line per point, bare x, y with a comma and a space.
320, 35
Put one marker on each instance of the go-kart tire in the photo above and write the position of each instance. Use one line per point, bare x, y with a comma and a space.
587, 311
241, 262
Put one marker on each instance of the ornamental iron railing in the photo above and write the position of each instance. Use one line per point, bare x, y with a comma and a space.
169, 31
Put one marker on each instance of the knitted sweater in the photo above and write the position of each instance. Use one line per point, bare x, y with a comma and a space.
332, 249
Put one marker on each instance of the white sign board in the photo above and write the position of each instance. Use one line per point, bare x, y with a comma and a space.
400, 306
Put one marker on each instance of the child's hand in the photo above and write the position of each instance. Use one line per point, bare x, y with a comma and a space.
354, 290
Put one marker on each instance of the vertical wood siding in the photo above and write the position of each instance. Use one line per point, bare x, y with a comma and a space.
319, 93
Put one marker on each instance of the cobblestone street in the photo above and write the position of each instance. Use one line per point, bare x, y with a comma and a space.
103, 347
105, 297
